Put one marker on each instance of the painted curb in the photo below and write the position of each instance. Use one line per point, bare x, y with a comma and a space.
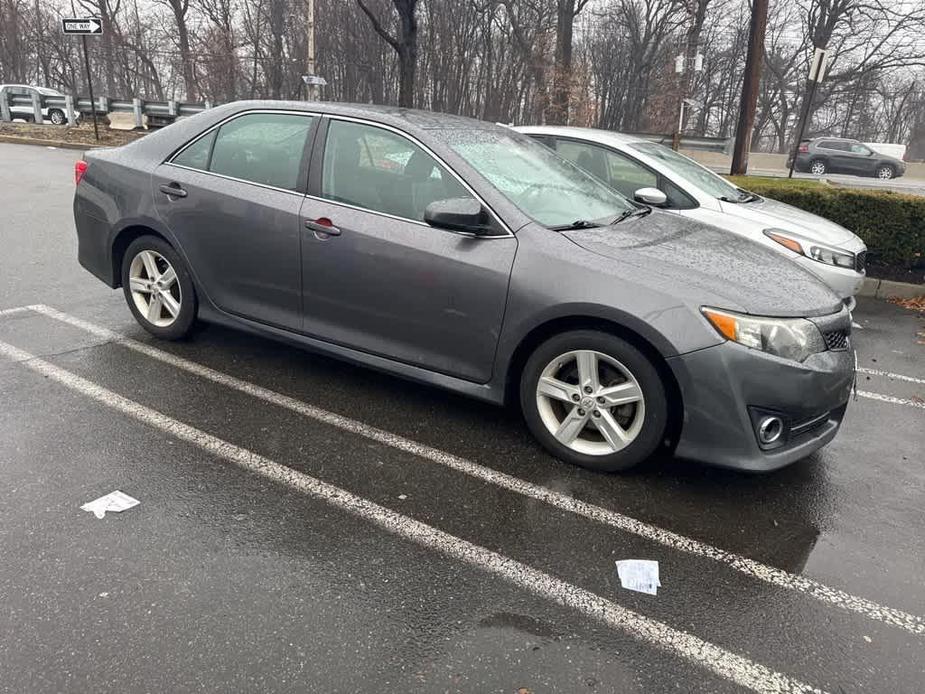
902, 290
870, 287
884, 289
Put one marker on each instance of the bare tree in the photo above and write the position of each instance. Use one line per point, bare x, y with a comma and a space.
566, 11
180, 9
405, 44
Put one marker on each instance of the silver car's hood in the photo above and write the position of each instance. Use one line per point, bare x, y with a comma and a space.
695, 262
780, 215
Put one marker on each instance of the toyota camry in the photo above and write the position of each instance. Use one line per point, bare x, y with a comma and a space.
465, 255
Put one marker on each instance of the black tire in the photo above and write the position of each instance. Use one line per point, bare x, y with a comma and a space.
817, 163
184, 321
655, 418
59, 114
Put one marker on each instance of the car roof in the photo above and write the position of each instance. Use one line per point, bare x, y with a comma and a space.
604, 137
838, 139
396, 115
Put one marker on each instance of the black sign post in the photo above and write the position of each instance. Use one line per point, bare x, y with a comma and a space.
84, 26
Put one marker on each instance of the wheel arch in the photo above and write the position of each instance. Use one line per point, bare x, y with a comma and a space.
121, 241
647, 344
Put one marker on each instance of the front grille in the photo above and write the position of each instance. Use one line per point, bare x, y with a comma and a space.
836, 339
860, 261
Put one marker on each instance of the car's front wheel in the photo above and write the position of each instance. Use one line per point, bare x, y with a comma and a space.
595, 400
158, 288
885, 172
57, 117
817, 167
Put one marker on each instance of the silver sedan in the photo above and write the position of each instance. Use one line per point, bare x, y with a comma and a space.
656, 175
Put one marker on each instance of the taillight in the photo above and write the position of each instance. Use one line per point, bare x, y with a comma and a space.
803, 148
80, 168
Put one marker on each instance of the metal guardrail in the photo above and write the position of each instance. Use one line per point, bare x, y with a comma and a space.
165, 111
696, 142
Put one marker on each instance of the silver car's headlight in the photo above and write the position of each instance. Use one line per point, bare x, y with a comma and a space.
819, 252
790, 338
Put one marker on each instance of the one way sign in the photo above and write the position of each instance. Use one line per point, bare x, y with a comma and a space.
81, 25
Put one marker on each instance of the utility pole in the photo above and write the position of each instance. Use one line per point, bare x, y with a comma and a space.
750, 85
311, 88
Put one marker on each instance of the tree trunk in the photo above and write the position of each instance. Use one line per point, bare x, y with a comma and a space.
408, 55
405, 44
180, 8
557, 109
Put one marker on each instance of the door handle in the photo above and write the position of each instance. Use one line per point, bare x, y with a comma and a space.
322, 225
173, 190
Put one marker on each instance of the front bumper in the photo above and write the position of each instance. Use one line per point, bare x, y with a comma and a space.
725, 387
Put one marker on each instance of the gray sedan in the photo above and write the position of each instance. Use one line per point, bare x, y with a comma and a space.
464, 255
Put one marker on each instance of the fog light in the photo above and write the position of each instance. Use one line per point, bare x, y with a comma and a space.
770, 429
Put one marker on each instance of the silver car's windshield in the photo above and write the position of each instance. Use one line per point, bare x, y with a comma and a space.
49, 92
702, 177
544, 186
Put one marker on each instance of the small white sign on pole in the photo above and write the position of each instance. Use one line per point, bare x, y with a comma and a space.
818, 66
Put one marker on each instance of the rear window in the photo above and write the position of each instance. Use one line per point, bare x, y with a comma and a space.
263, 148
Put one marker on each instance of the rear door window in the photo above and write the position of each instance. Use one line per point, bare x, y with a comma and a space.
265, 148
196, 155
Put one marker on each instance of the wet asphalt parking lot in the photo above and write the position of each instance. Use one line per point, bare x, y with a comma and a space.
307, 525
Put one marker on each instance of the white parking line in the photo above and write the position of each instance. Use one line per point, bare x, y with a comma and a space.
755, 569
891, 399
888, 374
719, 661
13, 311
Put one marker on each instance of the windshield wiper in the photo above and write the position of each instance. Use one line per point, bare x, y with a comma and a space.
580, 224
744, 196
632, 212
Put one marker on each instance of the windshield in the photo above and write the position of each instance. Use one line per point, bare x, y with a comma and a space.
48, 92
544, 186
700, 176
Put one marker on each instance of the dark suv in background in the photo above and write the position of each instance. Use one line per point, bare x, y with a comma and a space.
823, 155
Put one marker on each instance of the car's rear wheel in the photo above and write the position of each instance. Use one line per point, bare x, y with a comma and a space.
817, 167
158, 288
885, 172
593, 399
57, 117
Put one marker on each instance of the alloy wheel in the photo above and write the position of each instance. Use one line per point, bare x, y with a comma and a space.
885, 172
57, 118
154, 288
817, 168
590, 402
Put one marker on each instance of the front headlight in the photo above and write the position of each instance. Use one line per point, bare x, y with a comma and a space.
790, 338
811, 249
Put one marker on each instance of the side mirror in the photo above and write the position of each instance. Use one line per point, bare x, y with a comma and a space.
457, 214
650, 196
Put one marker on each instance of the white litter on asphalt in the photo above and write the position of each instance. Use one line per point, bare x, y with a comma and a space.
762, 572
639, 574
116, 501
856, 326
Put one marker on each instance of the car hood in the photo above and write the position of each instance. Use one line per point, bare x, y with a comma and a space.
698, 262
780, 215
